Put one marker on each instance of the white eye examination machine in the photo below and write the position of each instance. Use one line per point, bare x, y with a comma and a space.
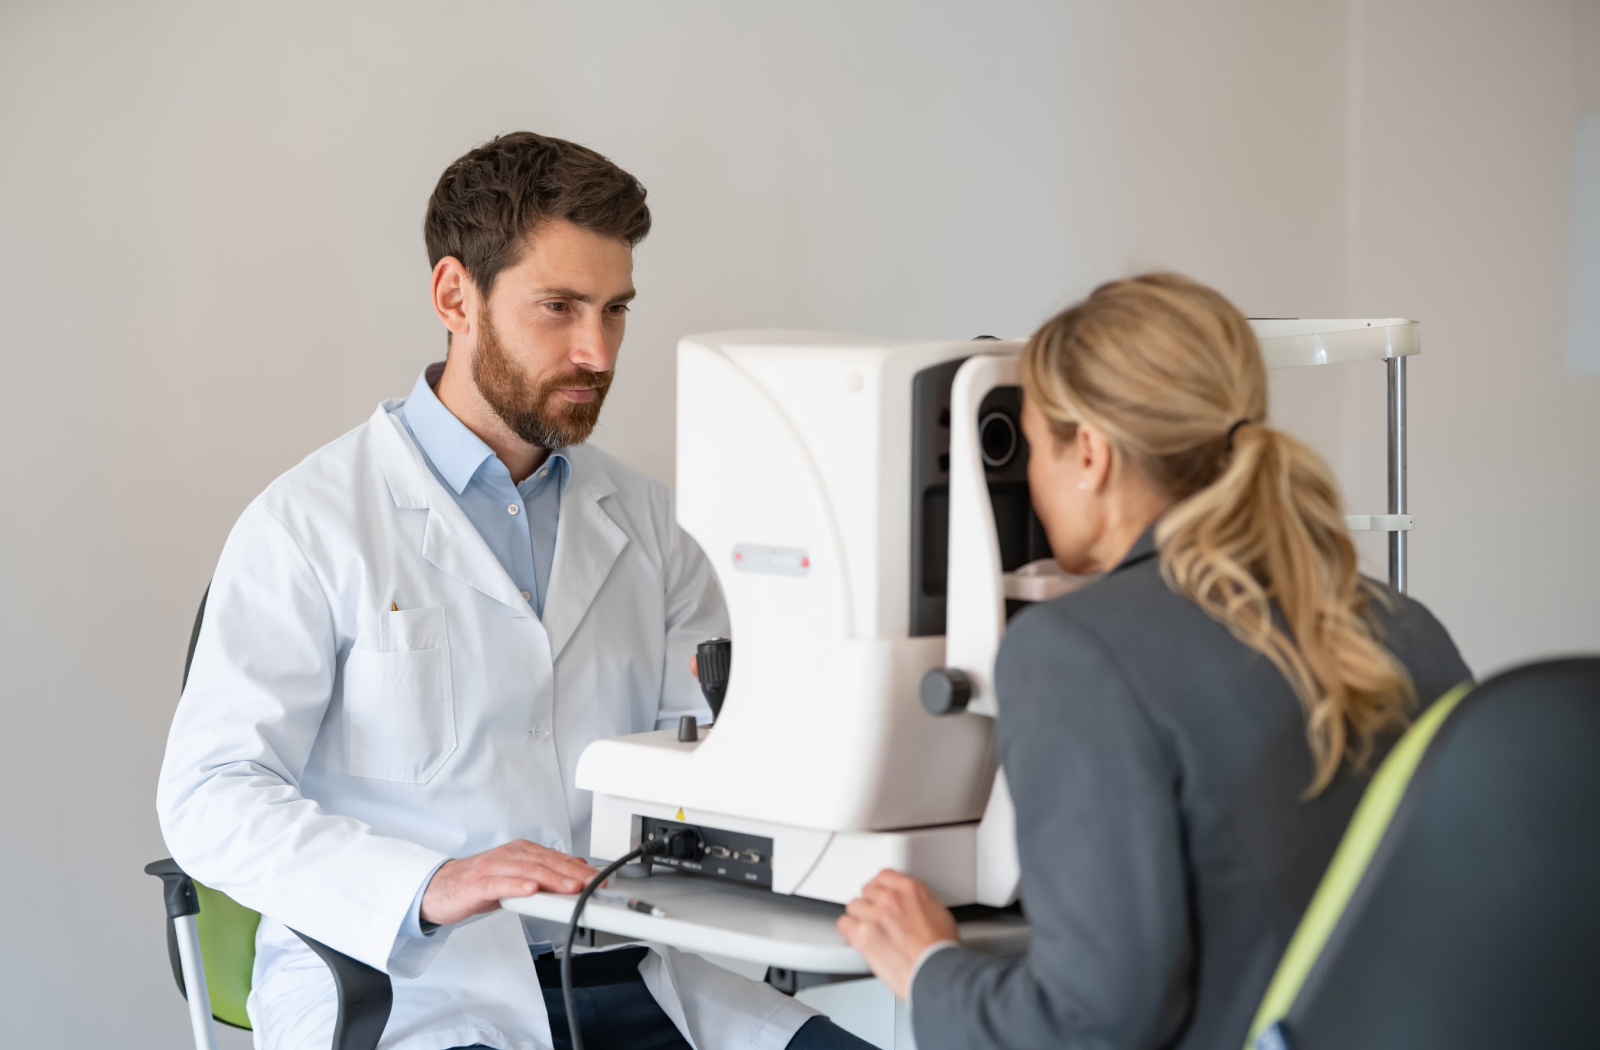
865, 505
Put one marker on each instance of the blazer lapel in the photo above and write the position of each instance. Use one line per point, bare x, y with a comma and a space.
449, 542
588, 542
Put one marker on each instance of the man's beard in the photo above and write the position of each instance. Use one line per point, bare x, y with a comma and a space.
536, 412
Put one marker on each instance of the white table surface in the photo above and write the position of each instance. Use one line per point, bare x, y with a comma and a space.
743, 922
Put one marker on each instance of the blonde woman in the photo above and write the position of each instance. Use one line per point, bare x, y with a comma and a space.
1187, 737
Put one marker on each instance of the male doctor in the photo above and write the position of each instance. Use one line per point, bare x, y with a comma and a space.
412, 635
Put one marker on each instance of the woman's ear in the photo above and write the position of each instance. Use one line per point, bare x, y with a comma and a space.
1094, 455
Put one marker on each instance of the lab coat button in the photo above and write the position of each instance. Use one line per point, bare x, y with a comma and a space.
559, 845
512, 509
541, 731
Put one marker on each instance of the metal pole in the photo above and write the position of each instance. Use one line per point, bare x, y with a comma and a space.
194, 983
1397, 469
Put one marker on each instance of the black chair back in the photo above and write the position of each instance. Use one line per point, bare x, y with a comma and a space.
1477, 923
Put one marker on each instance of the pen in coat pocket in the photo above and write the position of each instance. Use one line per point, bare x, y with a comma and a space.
393, 607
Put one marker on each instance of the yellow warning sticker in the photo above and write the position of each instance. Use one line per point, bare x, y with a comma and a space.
680, 813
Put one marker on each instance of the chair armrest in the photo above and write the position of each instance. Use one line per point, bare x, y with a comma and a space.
365, 995
177, 891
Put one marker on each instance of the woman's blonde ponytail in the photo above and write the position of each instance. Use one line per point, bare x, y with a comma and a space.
1171, 374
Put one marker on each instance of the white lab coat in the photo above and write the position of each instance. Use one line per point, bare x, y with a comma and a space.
330, 750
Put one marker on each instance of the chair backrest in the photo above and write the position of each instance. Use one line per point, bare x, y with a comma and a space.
1462, 908
227, 929
228, 949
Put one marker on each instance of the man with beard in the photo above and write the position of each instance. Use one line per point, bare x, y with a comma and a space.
413, 634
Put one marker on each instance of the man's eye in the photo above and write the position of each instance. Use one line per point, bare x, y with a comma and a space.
619, 308
557, 305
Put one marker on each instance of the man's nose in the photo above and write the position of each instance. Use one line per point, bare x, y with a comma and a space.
591, 350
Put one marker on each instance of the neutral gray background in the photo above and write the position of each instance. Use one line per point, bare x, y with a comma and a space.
212, 264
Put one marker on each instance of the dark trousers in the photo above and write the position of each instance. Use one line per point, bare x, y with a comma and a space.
617, 1012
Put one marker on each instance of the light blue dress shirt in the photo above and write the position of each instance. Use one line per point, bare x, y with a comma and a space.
518, 522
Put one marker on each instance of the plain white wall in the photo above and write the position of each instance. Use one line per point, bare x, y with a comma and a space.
212, 263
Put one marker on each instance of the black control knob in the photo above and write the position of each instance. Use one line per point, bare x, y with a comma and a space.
713, 660
945, 691
688, 730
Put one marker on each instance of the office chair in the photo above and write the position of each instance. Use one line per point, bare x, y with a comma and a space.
211, 942
1462, 908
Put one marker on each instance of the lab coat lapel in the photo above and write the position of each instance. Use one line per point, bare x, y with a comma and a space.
588, 543
449, 541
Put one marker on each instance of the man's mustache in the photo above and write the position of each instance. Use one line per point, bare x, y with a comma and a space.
580, 380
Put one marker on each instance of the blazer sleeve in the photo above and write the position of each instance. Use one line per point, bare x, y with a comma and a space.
695, 613
229, 796
1103, 870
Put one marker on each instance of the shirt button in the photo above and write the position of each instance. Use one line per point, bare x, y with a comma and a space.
512, 509
544, 472
527, 597
541, 731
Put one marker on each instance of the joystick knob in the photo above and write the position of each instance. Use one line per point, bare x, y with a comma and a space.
945, 691
713, 660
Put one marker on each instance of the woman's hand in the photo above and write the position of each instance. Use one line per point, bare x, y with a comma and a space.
892, 923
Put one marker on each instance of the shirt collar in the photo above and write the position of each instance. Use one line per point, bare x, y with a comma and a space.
558, 463
455, 452
1143, 547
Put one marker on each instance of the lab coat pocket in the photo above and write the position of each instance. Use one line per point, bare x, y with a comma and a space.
399, 710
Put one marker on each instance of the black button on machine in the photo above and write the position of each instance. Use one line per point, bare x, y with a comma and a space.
946, 691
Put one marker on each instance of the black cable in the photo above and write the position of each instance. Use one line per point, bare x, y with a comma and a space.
572, 931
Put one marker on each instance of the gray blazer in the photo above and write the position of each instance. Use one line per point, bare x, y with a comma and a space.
1157, 765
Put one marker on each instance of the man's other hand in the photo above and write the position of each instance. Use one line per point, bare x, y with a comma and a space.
473, 885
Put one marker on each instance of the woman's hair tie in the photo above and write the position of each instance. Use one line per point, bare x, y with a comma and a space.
1234, 430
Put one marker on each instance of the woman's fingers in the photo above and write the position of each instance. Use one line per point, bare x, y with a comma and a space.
862, 910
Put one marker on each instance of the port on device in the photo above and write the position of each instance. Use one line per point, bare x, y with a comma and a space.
707, 850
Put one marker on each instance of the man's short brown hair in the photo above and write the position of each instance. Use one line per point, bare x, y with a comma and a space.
488, 201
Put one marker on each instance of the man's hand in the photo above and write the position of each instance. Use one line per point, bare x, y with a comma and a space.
473, 885
893, 921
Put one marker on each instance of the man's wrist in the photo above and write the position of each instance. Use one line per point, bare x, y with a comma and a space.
415, 925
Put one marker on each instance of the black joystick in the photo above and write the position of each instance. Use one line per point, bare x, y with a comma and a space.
713, 660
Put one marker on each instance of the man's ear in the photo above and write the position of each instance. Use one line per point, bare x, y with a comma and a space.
454, 295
